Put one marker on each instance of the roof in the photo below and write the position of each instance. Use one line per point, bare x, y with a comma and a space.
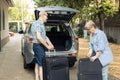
10, 3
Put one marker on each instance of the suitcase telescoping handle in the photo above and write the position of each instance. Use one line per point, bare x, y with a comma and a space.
54, 52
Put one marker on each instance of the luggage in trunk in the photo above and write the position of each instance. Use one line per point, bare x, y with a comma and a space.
55, 68
88, 70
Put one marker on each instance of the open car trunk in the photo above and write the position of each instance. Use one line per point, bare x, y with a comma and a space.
57, 13
60, 40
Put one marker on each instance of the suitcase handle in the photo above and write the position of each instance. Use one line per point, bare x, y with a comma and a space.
54, 51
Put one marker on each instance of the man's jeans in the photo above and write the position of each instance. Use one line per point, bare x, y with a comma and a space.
105, 72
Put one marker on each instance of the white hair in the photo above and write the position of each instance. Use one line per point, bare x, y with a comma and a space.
90, 24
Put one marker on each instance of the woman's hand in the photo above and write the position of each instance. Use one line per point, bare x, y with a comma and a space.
93, 58
96, 56
89, 54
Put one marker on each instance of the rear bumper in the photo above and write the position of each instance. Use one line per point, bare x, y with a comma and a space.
70, 59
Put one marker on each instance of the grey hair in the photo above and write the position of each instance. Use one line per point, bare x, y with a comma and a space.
42, 12
90, 24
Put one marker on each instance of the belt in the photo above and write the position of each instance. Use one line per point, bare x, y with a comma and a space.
36, 43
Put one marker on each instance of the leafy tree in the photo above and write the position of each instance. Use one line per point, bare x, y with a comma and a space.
106, 9
19, 11
15, 12
119, 6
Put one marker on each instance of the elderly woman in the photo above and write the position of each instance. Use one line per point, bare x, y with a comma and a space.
99, 47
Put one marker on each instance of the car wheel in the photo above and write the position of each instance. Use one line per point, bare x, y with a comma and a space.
25, 64
71, 64
22, 53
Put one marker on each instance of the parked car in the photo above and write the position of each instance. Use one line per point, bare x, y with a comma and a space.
59, 32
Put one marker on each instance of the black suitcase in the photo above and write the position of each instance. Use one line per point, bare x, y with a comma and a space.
55, 68
88, 70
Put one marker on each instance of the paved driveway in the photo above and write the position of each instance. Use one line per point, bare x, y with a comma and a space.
11, 63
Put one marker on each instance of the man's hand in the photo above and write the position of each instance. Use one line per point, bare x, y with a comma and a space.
49, 43
49, 47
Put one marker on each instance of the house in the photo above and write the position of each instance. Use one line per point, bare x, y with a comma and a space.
112, 25
4, 29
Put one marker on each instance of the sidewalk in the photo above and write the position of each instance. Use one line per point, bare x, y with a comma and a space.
11, 61
114, 69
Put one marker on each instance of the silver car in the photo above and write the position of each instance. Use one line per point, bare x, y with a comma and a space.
59, 32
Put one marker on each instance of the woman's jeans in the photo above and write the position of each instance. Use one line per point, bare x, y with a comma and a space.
105, 72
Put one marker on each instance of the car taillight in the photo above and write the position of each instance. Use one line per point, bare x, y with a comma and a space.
71, 54
76, 38
30, 39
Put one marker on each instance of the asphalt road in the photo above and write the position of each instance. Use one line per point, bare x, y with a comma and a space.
11, 63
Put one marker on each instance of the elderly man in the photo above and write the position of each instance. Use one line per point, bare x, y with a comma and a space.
40, 42
99, 47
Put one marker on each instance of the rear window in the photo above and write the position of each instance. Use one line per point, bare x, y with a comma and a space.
57, 29
52, 28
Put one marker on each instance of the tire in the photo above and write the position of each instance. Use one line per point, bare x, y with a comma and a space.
25, 64
22, 53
